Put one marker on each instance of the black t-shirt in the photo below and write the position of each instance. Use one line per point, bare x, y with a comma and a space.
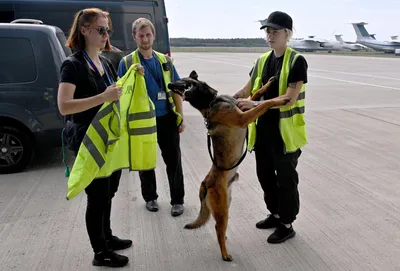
270, 120
75, 70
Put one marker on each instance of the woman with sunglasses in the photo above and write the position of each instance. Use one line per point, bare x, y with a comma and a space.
87, 81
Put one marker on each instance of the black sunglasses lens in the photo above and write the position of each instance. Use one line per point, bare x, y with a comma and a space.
103, 31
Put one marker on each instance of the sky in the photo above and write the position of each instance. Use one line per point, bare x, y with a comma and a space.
324, 19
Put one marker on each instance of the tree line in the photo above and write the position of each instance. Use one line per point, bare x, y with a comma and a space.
233, 42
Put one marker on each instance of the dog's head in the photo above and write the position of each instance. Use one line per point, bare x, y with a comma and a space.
198, 93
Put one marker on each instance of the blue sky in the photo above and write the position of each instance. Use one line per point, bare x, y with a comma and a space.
230, 19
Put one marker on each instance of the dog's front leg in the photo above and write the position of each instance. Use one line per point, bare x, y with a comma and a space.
256, 96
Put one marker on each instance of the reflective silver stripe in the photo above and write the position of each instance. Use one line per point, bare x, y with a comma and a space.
291, 57
141, 115
129, 61
292, 112
94, 152
254, 73
101, 131
302, 96
101, 114
169, 60
143, 131
98, 127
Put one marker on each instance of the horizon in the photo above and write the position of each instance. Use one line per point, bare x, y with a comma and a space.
233, 19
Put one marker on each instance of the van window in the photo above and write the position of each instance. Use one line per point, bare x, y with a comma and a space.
17, 61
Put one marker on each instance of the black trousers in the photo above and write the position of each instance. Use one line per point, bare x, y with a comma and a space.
98, 211
169, 143
277, 175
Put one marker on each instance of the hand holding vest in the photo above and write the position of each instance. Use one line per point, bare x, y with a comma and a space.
122, 135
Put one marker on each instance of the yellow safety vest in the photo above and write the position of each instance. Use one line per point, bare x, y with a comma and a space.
123, 134
291, 120
133, 58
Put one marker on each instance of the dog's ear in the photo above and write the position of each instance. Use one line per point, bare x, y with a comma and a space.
194, 75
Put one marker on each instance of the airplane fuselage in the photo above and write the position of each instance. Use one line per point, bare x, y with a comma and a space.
383, 46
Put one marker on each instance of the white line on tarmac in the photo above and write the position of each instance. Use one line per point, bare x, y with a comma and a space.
354, 82
194, 113
327, 78
357, 74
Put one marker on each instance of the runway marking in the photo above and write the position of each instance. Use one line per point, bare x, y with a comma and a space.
316, 76
358, 74
354, 82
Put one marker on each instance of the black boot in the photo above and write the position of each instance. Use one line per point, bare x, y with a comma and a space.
109, 259
281, 234
270, 222
114, 243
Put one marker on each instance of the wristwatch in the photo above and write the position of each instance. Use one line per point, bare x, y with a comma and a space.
255, 103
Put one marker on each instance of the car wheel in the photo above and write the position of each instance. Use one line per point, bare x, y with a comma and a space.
16, 150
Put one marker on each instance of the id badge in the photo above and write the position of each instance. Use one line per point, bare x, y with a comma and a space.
162, 95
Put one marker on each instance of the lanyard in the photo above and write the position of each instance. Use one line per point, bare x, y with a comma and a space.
96, 70
152, 72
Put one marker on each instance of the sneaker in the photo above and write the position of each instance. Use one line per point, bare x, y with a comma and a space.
109, 259
270, 222
177, 210
152, 206
281, 234
117, 244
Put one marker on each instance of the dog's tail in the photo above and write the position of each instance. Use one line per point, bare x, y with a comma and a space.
204, 214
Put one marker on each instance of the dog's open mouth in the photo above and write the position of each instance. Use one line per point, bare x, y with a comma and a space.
180, 88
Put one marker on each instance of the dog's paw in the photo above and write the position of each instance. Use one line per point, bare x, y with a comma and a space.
227, 258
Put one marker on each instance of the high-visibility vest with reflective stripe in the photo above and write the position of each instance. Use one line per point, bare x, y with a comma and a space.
133, 58
122, 135
291, 118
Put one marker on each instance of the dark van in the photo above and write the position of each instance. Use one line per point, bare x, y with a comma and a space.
31, 54
123, 13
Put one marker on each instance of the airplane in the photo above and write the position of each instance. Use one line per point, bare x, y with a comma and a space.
350, 45
312, 44
364, 38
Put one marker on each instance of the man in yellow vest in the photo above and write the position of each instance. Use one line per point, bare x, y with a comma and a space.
278, 136
159, 72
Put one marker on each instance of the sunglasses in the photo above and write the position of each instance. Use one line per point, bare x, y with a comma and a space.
103, 30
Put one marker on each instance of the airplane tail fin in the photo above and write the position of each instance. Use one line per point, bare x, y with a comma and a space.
339, 37
360, 30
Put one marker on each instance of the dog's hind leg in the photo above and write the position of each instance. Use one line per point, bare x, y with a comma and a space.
233, 179
219, 206
204, 214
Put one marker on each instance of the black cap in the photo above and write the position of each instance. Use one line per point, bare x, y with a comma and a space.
278, 20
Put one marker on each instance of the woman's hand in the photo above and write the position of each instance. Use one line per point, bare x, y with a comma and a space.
245, 104
112, 93
182, 127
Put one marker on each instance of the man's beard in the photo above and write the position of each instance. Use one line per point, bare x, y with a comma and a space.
145, 47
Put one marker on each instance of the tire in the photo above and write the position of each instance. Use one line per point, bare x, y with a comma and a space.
12, 138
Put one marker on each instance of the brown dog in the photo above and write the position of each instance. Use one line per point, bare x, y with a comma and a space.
227, 127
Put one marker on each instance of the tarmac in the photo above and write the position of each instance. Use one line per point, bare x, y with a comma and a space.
349, 186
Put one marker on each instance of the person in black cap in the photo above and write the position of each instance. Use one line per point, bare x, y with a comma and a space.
280, 132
